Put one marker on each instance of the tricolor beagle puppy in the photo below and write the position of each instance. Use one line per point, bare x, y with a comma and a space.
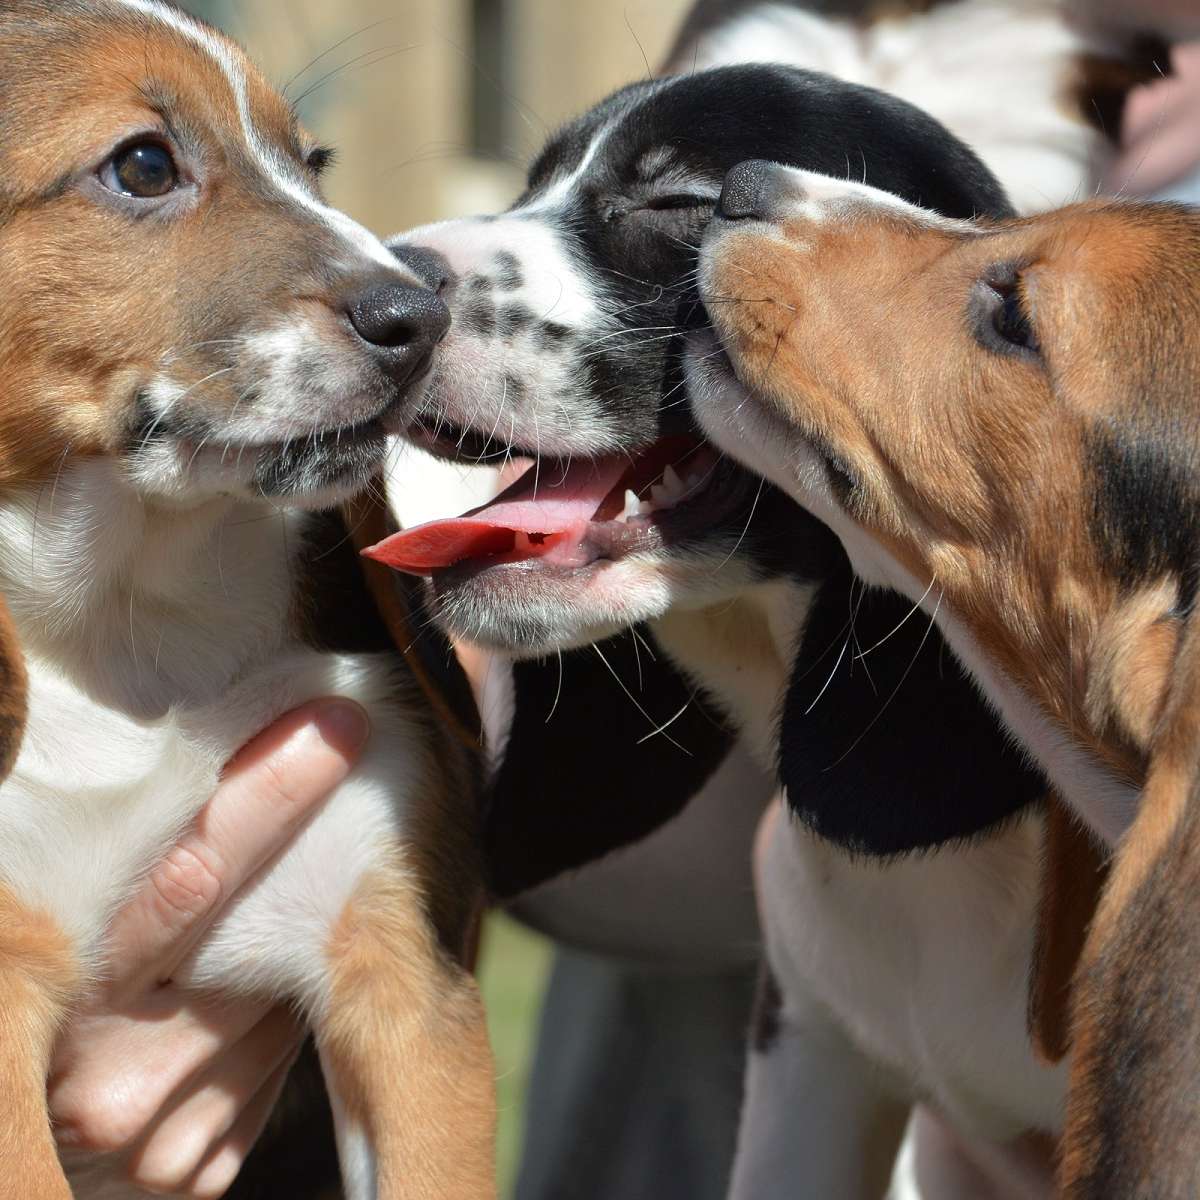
1019, 454
200, 359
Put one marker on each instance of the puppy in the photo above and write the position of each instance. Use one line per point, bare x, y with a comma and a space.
200, 356
1021, 457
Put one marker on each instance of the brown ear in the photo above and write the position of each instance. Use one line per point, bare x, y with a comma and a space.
1073, 872
1133, 1120
13, 693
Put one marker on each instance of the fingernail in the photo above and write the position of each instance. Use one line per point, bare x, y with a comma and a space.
343, 725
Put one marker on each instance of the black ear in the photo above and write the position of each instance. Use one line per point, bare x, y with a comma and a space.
885, 744
583, 772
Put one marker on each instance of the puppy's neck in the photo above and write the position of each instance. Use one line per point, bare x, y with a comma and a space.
144, 606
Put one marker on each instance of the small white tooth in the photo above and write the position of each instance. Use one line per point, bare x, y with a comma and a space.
646, 508
672, 482
633, 506
662, 497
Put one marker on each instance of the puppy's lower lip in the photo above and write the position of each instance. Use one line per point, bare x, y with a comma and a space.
566, 515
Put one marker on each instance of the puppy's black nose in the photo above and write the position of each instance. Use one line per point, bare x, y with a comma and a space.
401, 324
430, 267
748, 191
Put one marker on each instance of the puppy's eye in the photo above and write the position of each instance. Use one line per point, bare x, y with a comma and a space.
681, 200
1011, 321
144, 170
320, 159
1000, 316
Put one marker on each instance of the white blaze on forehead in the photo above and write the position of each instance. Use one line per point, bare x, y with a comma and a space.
274, 165
561, 189
818, 196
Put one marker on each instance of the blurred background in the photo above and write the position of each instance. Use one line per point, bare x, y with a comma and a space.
435, 108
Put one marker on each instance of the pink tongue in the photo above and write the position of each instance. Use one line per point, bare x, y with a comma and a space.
549, 508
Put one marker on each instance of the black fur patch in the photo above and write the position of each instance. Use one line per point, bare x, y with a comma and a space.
580, 783
509, 276
895, 751
478, 315
512, 318
551, 335
1146, 503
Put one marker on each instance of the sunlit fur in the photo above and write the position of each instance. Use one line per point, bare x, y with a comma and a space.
1052, 499
181, 378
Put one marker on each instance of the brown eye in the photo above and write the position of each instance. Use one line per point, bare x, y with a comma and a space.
144, 170
999, 315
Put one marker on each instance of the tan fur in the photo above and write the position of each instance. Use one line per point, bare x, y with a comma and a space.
1006, 482
1136, 645
406, 1039
38, 976
14, 687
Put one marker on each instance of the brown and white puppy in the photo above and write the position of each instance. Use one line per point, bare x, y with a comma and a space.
196, 350
1019, 453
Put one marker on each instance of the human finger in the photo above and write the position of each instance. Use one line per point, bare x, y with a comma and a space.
219, 1170
201, 1119
267, 792
114, 1073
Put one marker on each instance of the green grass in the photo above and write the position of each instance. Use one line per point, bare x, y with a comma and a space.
512, 976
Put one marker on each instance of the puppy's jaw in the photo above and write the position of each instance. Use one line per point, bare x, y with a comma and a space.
531, 613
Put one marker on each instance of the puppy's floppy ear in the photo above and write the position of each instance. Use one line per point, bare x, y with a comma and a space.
1133, 1120
1074, 868
13, 693
885, 745
580, 776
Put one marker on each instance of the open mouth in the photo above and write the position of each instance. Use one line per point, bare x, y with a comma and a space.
574, 513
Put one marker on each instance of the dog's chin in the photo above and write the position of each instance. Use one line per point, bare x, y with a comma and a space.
531, 609
313, 471
741, 423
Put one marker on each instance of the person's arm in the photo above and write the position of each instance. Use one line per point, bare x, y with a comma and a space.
180, 1084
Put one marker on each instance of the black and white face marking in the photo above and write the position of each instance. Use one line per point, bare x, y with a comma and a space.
570, 316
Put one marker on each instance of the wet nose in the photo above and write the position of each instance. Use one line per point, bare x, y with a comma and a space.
402, 324
430, 267
749, 192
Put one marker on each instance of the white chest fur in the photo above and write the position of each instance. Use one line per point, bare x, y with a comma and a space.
926, 964
158, 643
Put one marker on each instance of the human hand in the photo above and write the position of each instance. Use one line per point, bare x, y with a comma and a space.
180, 1084
1161, 131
